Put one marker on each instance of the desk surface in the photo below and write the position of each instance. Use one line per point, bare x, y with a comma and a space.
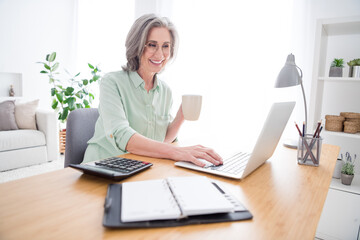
285, 198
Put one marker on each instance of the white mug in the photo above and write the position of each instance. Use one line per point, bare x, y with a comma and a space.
191, 106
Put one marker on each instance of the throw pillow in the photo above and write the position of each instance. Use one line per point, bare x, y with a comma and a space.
25, 114
7, 116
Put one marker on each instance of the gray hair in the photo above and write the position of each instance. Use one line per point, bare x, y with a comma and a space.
137, 36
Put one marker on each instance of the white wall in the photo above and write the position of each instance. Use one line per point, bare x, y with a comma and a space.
31, 29
160, 7
28, 31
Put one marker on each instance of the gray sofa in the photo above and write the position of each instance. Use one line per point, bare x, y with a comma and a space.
25, 147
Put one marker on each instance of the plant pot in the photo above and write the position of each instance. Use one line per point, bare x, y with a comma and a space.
62, 141
336, 72
354, 71
346, 179
337, 170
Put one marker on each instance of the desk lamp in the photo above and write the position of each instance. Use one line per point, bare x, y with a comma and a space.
288, 77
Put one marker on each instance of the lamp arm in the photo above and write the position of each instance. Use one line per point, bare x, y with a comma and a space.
303, 92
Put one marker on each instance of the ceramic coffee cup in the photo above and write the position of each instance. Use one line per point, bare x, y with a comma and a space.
191, 106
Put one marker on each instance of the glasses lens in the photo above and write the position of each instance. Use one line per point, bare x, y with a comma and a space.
153, 47
166, 48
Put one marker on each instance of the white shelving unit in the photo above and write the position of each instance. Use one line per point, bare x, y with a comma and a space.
337, 38
7, 79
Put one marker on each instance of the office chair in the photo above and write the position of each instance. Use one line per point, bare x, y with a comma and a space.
80, 127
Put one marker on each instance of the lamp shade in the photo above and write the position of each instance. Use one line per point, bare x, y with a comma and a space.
289, 75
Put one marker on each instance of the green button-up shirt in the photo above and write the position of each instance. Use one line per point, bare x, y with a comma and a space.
127, 108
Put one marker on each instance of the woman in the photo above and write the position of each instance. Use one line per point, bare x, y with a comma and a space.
135, 105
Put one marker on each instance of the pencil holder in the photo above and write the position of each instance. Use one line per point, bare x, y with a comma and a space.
309, 149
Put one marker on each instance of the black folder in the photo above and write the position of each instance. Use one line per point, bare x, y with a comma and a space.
112, 215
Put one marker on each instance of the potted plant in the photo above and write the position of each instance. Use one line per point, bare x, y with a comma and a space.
70, 94
354, 68
347, 170
336, 69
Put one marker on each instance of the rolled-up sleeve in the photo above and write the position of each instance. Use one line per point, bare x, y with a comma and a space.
115, 121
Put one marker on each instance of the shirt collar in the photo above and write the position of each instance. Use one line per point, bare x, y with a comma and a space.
137, 81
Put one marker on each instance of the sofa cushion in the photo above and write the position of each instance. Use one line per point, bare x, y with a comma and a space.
19, 139
7, 116
25, 114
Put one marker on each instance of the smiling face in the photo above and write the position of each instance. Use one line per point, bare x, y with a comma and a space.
156, 52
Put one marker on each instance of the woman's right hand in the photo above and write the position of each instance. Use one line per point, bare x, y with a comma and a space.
194, 153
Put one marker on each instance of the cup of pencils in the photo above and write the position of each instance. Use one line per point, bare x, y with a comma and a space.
309, 147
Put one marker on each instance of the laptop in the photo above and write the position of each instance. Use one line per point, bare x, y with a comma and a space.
241, 164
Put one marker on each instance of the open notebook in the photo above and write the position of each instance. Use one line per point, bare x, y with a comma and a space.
174, 198
171, 202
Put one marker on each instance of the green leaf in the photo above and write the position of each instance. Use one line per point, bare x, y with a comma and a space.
51, 80
47, 66
55, 67
53, 91
44, 71
47, 57
80, 84
77, 75
90, 66
71, 103
64, 114
79, 95
69, 91
60, 97
96, 77
85, 82
86, 102
78, 105
54, 104
52, 57
91, 96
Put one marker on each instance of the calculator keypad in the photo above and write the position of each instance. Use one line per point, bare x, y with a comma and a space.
123, 165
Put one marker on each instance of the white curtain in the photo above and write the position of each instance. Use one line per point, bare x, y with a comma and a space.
231, 53
102, 29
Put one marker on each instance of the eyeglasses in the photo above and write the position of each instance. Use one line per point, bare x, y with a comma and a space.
154, 46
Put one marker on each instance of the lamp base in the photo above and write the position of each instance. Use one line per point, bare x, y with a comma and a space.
291, 143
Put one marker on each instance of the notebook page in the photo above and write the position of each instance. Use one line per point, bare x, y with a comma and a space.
198, 196
148, 200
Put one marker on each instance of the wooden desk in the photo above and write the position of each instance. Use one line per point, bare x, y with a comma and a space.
285, 198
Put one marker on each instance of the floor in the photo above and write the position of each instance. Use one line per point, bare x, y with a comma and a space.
19, 173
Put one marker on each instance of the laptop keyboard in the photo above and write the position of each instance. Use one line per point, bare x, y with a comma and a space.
123, 165
234, 164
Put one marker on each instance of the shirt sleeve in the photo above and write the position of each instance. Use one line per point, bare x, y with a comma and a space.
116, 124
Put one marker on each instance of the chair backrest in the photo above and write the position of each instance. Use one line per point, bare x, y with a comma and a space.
80, 127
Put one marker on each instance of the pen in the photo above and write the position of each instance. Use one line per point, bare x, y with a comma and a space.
303, 129
306, 144
298, 129
317, 129
316, 135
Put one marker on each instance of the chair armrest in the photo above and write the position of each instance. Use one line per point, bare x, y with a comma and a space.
47, 123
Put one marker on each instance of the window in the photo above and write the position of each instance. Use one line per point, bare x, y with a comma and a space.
231, 53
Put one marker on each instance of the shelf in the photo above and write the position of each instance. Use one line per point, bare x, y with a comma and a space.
339, 79
353, 188
343, 26
342, 134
